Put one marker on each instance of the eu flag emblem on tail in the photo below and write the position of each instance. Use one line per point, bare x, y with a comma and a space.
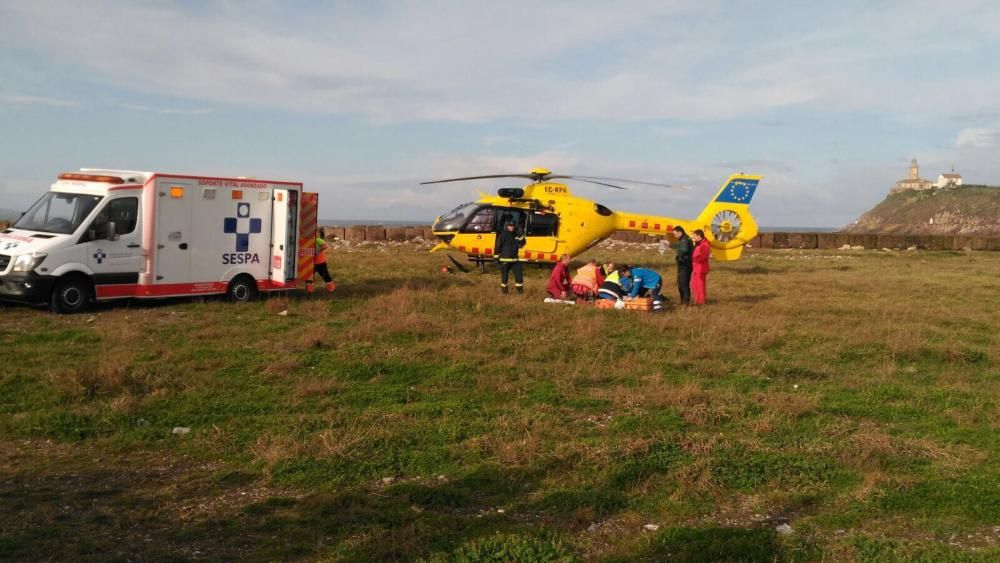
738, 191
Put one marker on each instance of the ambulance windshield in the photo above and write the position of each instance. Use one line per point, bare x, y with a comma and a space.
58, 212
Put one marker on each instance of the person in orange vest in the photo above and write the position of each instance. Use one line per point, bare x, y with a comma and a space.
320, 267
699, 265
585, 282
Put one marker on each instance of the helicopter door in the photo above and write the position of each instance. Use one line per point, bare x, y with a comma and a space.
540, 232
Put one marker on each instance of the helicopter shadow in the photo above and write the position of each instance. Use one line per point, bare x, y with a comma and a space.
753, 271
381, 286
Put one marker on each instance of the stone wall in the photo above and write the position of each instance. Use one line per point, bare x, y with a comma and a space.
378, 233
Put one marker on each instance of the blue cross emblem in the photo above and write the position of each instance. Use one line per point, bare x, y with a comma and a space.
100, 256
250, 226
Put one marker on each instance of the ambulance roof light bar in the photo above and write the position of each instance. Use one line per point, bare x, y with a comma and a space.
129, 175
91, 178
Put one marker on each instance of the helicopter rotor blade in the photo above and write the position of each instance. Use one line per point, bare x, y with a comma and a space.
579, 179
622, 180
528, 176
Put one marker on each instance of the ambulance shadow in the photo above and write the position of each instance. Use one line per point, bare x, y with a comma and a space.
150, 304
349, 289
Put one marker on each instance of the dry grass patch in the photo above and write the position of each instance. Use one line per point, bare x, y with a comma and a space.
273, 448
792, 405
523, 438
693, 479
869, 446
700, 444
107, 378
356, 434
695, 404
307, 388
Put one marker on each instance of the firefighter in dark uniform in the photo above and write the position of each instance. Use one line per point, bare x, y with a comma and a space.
508, 245
685, 249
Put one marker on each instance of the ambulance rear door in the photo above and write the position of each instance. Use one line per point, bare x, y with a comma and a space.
173, 231
284, 233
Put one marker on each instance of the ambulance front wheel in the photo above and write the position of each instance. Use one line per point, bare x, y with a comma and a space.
242, 289
71, 294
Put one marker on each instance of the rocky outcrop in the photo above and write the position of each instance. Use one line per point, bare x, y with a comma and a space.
965, 211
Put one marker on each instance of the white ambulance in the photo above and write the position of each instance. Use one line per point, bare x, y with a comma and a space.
114, 234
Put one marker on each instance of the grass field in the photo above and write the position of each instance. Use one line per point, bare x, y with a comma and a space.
419, 415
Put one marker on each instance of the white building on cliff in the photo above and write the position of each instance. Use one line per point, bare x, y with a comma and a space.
950, 180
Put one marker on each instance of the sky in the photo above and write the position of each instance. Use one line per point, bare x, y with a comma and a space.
363, 100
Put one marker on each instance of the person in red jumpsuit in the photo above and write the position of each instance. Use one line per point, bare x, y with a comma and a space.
699, 266
559, 280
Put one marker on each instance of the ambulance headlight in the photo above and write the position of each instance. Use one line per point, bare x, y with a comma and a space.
28, 262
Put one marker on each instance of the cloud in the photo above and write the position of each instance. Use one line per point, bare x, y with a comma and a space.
978, 138
474, 62
166, 111
722, 85
36, 101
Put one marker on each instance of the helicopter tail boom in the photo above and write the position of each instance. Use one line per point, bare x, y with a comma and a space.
726, 220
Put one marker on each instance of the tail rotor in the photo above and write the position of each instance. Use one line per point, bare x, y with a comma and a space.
728, 217
726, 225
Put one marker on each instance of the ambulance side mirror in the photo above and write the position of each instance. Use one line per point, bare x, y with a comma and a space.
111, 231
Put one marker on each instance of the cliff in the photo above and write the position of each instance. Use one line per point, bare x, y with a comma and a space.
966, 210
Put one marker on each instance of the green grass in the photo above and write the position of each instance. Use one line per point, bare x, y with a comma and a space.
421, 416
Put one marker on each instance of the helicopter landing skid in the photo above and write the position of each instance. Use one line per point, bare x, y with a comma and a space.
481, 264
462, 268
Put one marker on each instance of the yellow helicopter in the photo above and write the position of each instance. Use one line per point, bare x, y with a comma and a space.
554, 221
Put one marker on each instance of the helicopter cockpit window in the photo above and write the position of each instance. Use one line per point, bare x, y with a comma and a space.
454, 219
542, 225
481, 222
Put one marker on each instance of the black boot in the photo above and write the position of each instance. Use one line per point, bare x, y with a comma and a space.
504, 290
520, 288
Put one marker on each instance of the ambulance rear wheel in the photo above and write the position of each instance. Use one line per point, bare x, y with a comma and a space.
71, 295
242, 289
